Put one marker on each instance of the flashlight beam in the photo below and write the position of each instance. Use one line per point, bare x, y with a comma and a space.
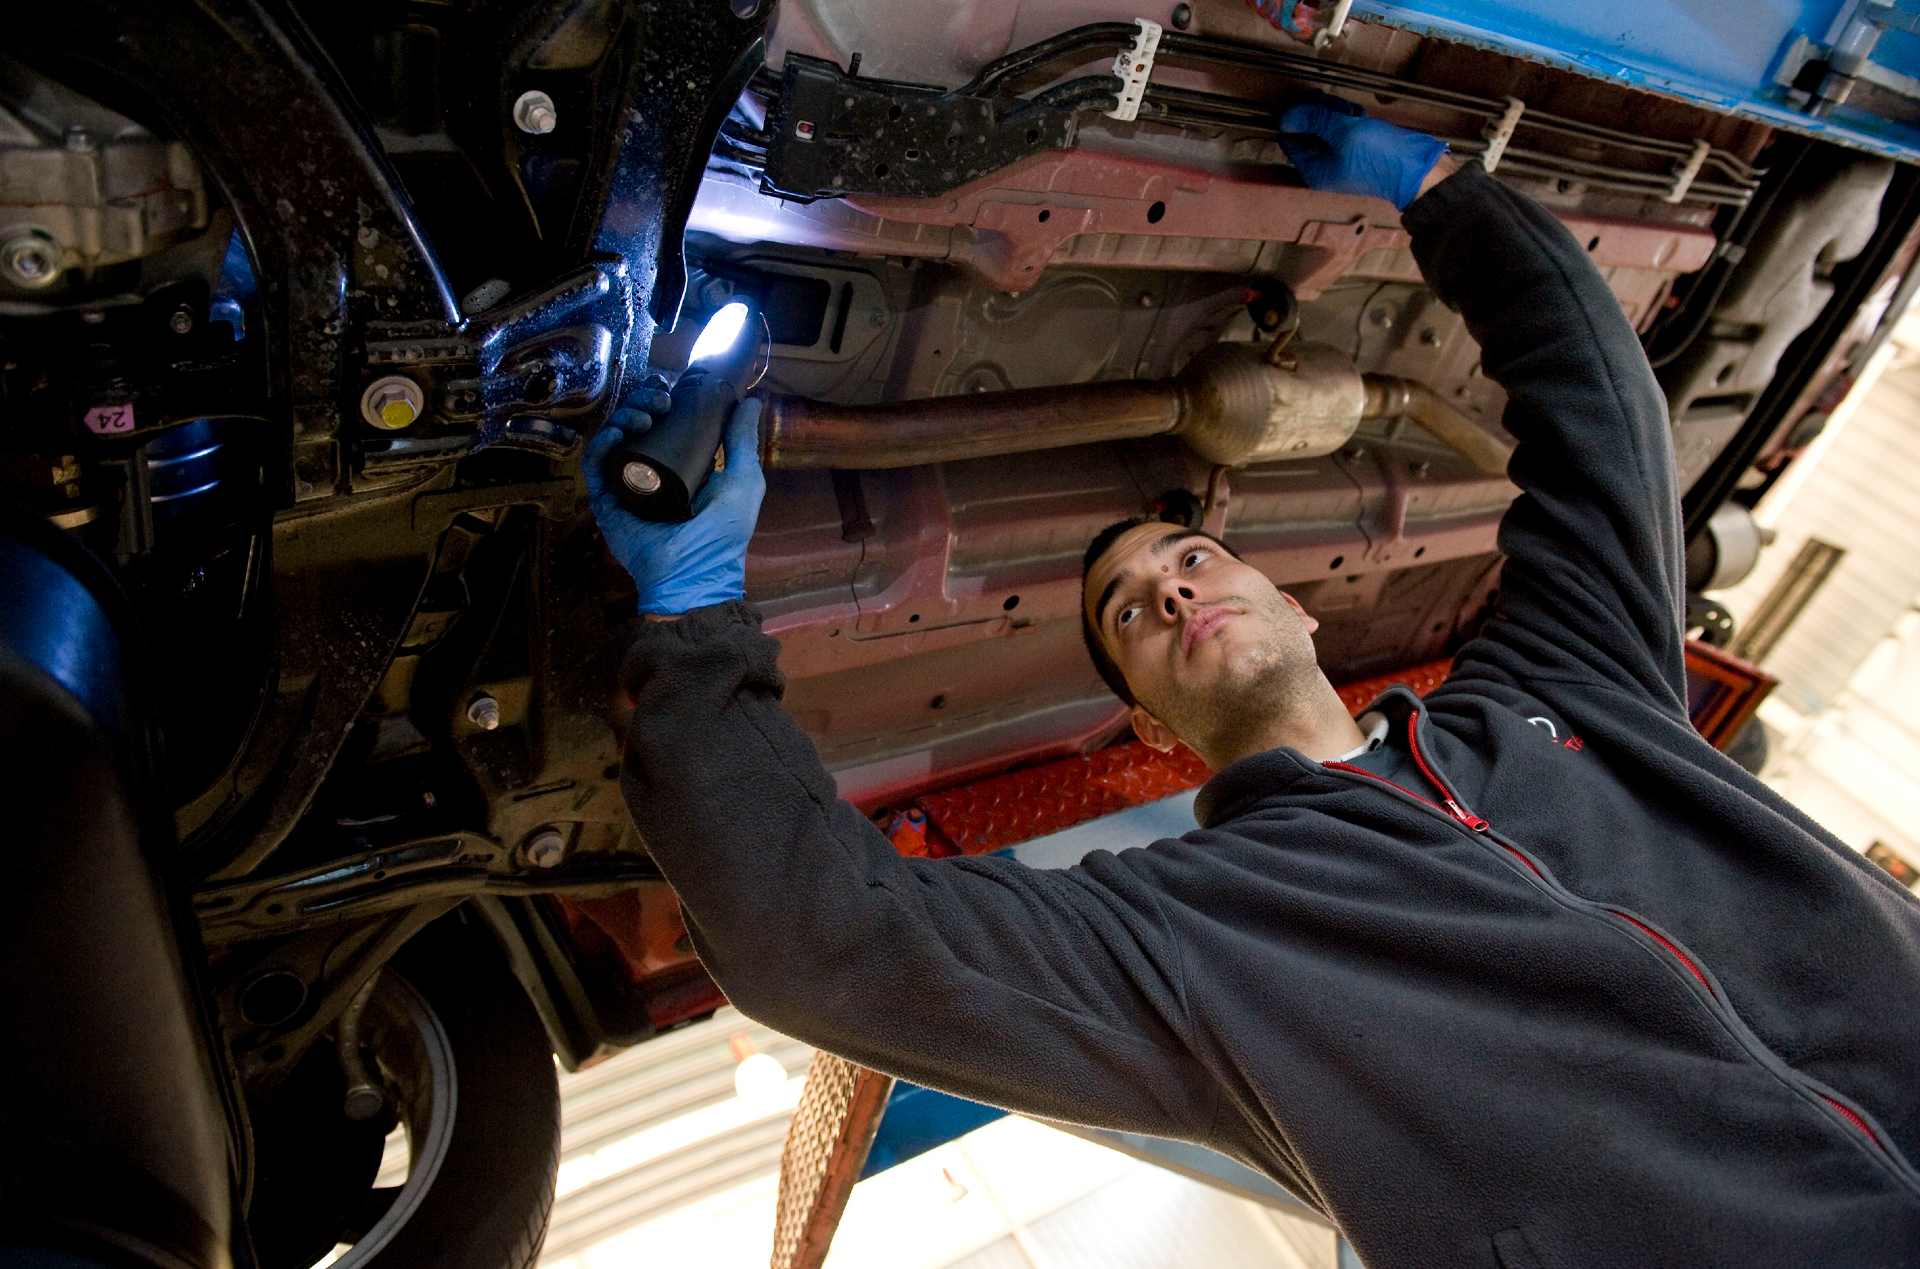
722, 331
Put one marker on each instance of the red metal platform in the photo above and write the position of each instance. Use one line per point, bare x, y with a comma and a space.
1019, 806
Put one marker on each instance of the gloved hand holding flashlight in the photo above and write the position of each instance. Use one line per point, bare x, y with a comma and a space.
699, 556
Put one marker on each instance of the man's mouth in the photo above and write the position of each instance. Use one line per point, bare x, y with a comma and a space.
1199, 626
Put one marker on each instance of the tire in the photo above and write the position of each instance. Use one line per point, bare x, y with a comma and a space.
447, 1027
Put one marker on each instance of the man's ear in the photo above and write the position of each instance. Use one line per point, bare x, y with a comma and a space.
1152, 732
1306, 617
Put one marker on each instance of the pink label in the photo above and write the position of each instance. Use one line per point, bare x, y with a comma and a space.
107, 420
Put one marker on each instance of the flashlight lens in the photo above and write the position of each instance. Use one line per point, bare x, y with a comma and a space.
721, 333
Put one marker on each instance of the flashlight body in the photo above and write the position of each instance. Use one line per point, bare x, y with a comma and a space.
658, 473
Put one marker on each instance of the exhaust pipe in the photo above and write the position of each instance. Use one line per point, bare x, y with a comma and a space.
1388, 397
1232, 406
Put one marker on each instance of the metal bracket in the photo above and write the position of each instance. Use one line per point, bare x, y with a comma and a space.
450, 867
834, 134
1683, 177
1500, 132
1133, 67
554, 353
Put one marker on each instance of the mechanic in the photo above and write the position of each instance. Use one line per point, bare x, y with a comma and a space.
1523, 974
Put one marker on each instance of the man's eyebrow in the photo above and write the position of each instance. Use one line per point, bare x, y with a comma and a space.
1160, 547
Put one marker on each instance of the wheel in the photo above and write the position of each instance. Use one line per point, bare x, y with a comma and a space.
466, 1070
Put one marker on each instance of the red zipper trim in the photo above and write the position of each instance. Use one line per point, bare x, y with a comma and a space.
1362, 771
1454, 809
1846, 1111
1467, 818
1671, 947
1853, 1119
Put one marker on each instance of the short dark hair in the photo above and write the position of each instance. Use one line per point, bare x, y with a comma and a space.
1109, 671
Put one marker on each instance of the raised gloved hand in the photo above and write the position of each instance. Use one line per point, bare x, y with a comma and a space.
702, 561
1337, 147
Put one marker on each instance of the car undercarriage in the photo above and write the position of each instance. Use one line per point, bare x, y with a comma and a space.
305, 311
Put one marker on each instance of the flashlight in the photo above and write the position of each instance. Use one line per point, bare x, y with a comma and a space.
659, 473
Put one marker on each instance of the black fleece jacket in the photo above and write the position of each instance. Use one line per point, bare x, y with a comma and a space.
1590, 995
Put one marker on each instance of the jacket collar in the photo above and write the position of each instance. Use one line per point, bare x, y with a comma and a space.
1237, 788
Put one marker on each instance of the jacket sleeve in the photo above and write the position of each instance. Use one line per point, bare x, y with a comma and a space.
1051, 992
1594, 585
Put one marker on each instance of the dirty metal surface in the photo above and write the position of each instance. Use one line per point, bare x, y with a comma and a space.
1024, 216
834, 132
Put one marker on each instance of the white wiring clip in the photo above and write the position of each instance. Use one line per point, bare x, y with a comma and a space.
1133, 66
1335, 24
1683, 176
1500, 133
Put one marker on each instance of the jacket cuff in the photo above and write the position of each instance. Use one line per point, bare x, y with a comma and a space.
1451, 197
655, 642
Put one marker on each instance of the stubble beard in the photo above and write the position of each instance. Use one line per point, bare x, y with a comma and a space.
1260, 685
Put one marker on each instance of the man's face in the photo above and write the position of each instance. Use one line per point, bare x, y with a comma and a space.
1206, 642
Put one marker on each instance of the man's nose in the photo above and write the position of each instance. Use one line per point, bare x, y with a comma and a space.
1174, 594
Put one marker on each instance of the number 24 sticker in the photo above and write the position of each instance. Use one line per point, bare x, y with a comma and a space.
110, 420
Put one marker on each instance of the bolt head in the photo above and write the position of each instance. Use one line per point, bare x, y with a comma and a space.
79, 140
640, 477
546, 848
30, 261
363, 1102
181, 322
486, 295
533, 112
392, 402
1382, 317
484, 713
1182, 16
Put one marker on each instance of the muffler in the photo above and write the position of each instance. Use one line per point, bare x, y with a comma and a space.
1233, 405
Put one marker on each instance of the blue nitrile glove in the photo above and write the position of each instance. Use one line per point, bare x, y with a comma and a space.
680, 567
1336, 147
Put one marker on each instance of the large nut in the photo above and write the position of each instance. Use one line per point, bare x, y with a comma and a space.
546, 848
484, 713
30, 261
392, 402
534, 112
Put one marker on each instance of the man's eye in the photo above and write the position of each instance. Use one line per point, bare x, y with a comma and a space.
1126, 616
1191, 557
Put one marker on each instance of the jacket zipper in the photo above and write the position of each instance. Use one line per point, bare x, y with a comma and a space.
1453, 810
